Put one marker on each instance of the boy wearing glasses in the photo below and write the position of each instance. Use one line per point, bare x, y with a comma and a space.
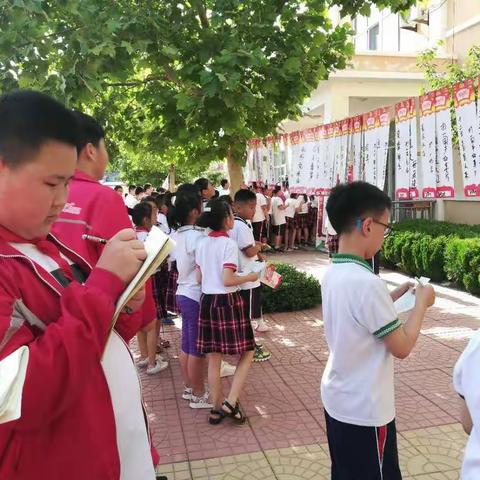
363, 334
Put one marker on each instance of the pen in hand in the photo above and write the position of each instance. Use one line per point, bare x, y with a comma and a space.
93, 238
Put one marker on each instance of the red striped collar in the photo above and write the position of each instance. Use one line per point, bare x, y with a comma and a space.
219, 233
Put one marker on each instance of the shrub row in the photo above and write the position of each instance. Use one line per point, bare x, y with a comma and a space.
439, 250
297, 291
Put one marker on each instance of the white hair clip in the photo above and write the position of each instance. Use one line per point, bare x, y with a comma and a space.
207, 209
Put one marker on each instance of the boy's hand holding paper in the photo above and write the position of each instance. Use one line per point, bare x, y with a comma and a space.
123, 255
406, 302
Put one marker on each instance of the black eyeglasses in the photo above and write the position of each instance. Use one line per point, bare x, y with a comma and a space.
387, 226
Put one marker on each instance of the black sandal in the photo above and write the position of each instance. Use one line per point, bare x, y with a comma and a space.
234, 413
216, 416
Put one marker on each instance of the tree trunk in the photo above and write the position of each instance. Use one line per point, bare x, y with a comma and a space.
235, 173
172, 180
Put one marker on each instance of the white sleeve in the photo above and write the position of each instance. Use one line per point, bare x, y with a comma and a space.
230, 255
243, 235
263, 201
377, 313
466, 374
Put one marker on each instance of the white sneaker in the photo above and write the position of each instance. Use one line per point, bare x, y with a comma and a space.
159, 366
144, 362
187, 393
227, 370
200, 402
263, 327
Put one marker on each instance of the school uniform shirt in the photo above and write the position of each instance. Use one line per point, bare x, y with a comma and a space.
466, 381
242, 234
278, 216
290, 206
130, 201
357, 383
222, 192
75, 405
261, 202
187, 238
163, 224
214, 253
92, 209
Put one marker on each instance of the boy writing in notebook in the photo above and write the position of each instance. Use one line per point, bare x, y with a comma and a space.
363, 334
81, 411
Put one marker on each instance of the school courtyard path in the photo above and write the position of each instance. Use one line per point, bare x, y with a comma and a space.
285, 437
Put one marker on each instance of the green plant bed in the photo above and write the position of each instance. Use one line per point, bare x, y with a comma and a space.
297, 291
439, 250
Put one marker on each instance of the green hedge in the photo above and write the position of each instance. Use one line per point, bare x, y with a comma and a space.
439, 250
297, 291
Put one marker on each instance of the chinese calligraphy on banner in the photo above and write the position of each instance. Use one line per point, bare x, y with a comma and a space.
428, 144
444, 159
468, 135
376, 126
406, 175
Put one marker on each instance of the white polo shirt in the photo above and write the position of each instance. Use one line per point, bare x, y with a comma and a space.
214, 253
290, 206
187, 238
357, 383
261, 202
278, 216
466, 381
242, 233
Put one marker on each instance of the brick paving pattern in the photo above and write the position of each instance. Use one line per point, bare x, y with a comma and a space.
285, 437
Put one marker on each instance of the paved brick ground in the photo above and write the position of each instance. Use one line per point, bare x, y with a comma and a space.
285, 438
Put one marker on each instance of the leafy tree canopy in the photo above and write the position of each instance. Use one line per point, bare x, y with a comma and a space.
187, 80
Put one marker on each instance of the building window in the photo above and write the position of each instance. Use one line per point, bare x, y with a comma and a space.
373, 33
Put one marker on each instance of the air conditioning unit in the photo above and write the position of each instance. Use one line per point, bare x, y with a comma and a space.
408, 25
419, 15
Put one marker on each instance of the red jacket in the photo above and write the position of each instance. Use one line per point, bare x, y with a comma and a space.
94, 209
67, 425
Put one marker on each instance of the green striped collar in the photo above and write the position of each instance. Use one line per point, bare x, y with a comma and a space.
348, 258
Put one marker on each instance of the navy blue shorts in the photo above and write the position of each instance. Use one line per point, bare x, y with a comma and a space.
362, 453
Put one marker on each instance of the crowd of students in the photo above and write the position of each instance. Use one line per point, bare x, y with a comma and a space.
81, 395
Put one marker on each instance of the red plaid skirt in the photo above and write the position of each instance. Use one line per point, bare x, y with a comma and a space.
332, 244
301, 220
291, 224
312, 217
160, 280
224, 326
171, 296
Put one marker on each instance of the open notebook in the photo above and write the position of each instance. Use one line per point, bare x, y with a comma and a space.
13, 370
158, 247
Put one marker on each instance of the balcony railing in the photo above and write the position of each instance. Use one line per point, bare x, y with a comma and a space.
413, 209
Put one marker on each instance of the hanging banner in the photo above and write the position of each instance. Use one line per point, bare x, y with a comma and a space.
341, 173
468, 135
402, 156
428, 144
319, 160
298, 154
444, 158
269, 166
308, 174
370, 122
406, 150
356, 148
329, 165
381, 147
414, 192
376, 127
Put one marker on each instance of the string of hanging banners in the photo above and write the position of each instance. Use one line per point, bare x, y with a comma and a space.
357, 148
